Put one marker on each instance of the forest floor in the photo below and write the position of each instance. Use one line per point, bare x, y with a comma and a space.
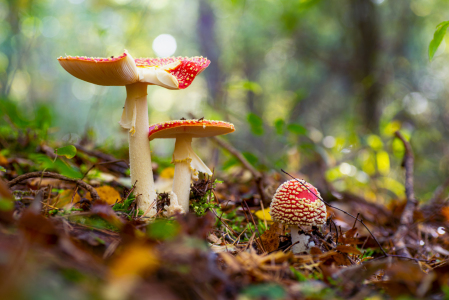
57, 242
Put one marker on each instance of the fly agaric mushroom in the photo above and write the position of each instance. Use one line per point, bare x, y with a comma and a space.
187, 163
297, 203
172, 73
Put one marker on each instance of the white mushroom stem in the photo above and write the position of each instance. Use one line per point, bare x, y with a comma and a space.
302, 240
174, 207
187, 166
135, 118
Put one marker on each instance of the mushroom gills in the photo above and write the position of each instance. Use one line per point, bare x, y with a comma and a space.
159, 76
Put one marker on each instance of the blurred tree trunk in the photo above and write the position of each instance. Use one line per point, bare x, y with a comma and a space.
210, 49
366, 48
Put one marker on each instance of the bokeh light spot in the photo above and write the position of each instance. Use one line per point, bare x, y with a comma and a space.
329, 141
164, 45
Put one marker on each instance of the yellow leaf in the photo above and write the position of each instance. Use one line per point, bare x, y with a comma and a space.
107, 194
264, 214
65, 197
3, 160
168, 173
135, 260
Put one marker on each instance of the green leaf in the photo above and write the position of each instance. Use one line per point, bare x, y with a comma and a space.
437, 38
163, 229
256, 123
67, 151
250, 157
267, 291
2, 169
279, 124
6, 204
252, 86
297, 129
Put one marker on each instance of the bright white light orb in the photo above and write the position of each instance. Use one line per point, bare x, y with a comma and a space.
164, 45
329, 141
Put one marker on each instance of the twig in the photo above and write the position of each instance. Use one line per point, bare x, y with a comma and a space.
255, 225
407, 214
79, 182
336, 230
360, 220
258, 177
85, 174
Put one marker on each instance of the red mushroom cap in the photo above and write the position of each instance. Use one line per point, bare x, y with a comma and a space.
195, 128
294, 204
185, 72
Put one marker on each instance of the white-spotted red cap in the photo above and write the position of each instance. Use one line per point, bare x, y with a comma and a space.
194, 128
294, 204
172, 72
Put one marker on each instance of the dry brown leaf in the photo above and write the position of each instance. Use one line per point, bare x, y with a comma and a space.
315, 251
348, 249
445, 212
340, 259
270, 238
351, 232
230, 262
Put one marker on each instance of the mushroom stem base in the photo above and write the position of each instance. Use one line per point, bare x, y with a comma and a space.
181, 184
302, 240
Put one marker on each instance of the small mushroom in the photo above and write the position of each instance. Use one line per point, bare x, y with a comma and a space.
187, 163
296, 204
136, 74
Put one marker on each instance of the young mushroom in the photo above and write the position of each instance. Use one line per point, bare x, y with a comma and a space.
296, 204
136, 74
187, 163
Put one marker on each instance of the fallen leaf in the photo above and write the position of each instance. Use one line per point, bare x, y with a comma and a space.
167, 173
264, 214
65, 198
445, 212
348, 249
107, 193
134, 260
270, 238
3, 160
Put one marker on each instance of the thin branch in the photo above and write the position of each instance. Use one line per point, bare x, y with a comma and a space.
255, 225
258, 177
79, 182
407, 214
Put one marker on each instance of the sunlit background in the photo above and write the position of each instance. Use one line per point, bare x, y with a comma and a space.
315, 87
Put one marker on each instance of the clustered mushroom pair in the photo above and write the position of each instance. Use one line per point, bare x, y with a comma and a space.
173, 73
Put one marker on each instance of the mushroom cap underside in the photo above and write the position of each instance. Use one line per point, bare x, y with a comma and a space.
298, 203
113, 71
171, 73
194, 128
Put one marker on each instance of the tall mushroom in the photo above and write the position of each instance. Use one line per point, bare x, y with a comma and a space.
295, 203
172, 73
187, 163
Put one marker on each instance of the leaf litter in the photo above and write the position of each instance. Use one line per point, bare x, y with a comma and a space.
56, 240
